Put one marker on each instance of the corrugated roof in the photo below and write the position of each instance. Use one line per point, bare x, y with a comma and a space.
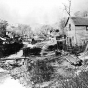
80, 21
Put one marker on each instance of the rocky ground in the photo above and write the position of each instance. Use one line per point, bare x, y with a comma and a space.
48, 72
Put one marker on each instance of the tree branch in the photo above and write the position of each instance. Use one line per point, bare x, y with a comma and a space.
68, 8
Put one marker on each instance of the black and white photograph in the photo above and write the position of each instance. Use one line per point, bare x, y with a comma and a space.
43, 43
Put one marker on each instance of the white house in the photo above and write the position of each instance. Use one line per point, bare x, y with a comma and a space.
76, 29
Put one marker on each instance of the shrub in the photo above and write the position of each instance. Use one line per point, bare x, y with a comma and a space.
41, 72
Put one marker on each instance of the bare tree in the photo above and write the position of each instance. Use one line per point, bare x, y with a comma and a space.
25, 30
77, 14
81, 14
62, 24
3, 26
68, 8
44, 30
85, 13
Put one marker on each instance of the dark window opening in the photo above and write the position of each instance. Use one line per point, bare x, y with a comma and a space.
57, 30
87, 28
69, 27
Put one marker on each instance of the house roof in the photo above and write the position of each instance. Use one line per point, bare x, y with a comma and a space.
79, 21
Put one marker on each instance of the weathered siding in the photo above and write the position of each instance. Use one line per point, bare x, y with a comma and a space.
78, 35
71, 33
81, 33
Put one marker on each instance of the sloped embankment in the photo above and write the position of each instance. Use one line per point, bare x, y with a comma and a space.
43, 72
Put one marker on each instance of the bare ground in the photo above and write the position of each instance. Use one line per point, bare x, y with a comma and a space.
56, 73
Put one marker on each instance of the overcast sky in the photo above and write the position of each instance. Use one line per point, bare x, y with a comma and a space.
37, 11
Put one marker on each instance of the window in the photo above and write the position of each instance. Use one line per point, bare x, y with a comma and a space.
70, 41
69, 27
87, 28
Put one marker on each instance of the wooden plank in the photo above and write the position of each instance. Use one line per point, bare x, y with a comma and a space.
71, 58
34, 58
14, 58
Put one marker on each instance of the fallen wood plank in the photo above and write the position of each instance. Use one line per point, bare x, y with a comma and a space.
71, 58
14, 58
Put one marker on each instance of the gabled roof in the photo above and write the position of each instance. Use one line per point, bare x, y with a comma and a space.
79, 21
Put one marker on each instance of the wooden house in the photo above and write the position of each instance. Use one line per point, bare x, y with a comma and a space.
76, 29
